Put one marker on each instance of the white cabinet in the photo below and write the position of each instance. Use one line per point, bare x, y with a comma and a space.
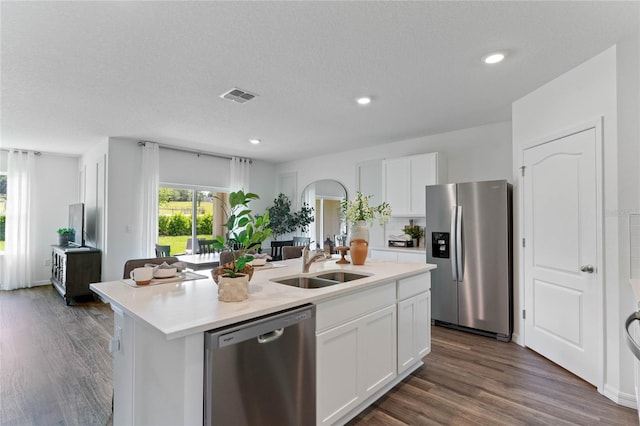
404, 180
414, 320
414, 330
399, 256
356, 358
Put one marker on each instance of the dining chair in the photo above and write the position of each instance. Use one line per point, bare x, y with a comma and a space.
205, 246
162, 250
301, 241
131, 264
276, 248
291, 252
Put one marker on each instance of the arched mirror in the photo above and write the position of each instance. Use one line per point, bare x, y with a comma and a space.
324, 196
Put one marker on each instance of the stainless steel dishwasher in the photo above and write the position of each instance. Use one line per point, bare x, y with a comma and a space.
263, 371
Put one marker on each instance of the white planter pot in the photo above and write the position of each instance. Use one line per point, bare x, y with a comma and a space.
233, 289
360, 230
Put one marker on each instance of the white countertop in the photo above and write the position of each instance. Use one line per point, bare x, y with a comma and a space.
188, 307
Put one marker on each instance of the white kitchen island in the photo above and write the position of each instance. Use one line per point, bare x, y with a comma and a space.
159, 337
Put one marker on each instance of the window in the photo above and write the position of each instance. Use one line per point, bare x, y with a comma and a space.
3, 208
177, 224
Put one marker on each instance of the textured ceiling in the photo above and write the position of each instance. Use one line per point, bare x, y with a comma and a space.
75, 73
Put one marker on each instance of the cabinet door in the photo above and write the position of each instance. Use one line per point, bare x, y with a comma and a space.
414, 330
396, 185
337, 367
423, 171
377, 354
422, 324
406, 355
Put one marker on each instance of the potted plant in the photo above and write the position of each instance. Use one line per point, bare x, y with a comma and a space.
360, 215
245, 232
64, 235
415, 232
284, 220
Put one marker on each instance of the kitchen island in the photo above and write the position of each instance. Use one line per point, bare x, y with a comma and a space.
158, 344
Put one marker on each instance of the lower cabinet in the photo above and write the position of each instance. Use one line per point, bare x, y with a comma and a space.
414, 330
354, 360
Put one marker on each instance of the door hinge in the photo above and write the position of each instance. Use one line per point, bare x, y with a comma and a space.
522, 170
524, 314
523, 243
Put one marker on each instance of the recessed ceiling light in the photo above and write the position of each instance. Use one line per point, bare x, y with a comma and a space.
254, 141
365, 100
493, 58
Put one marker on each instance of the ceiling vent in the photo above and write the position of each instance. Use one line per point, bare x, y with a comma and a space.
238, 95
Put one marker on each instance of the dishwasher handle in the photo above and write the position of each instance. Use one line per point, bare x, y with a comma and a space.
633, 346
270, 337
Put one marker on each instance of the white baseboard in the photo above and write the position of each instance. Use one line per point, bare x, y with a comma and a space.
620, 398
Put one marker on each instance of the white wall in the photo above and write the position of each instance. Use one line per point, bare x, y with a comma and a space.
477, 153
582, 94
54, 187
121, 235
473, 154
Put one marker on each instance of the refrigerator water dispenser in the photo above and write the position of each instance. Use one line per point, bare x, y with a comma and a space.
440, 244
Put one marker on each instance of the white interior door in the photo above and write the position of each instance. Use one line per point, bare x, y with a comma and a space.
563, 293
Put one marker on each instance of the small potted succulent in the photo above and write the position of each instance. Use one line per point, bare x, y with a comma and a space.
245, 233
64, 235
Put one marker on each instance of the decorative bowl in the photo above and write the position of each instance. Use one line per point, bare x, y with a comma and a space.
165, 272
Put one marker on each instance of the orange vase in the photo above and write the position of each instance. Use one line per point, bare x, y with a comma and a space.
358, 250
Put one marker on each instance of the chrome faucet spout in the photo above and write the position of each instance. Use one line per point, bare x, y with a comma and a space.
308, 258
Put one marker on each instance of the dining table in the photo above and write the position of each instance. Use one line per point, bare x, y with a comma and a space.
200, 261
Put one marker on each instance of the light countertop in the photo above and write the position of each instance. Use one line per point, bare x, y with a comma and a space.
188, 307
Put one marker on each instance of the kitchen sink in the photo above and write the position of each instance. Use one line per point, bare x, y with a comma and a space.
307, 282
341, 277
322, 280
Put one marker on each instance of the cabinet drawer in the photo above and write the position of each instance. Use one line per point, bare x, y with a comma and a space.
345, 308
411, 286
412, 257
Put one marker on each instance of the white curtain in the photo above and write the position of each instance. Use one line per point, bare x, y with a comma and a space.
240, 174
150, 186
18, 261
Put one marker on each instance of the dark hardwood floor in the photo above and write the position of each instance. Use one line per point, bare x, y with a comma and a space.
474, 380
55, 369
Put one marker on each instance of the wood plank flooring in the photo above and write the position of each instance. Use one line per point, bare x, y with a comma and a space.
55, 369
475, 380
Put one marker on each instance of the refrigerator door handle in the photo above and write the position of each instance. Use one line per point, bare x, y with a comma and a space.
459, 263
452, 236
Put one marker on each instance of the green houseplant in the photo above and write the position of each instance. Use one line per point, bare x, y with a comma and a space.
360, 214
245, 232
284, 220
64, 235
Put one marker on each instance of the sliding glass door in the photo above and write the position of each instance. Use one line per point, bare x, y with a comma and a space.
188, 214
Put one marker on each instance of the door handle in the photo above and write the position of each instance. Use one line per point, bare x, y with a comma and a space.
588, 268
452, 236
271, 336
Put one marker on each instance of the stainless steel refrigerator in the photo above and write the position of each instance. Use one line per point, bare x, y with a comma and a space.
469, 237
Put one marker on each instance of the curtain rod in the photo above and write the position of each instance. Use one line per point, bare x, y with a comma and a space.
24, 151
189, 151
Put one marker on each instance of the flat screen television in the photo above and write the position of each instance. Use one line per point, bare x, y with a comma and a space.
76, 222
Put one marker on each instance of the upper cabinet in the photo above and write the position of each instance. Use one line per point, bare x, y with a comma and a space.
404, 179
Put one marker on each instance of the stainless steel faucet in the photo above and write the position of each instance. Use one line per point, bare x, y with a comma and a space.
318, 256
